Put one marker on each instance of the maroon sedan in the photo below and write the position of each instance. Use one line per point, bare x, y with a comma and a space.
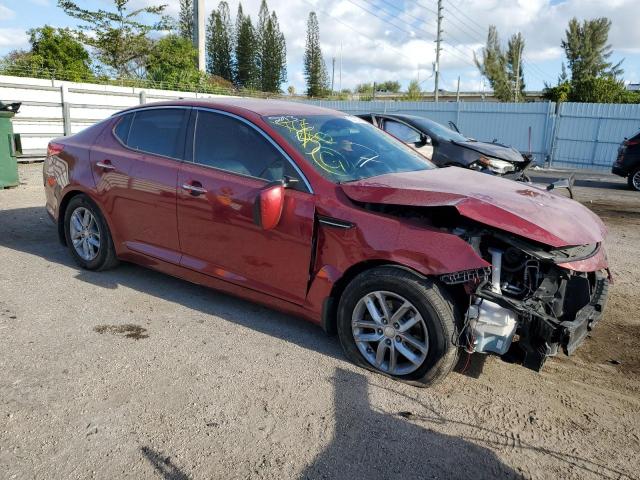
322, 215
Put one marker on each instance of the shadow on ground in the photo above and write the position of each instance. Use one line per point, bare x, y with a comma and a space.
29, 230
367, 443
163, 465
372, 444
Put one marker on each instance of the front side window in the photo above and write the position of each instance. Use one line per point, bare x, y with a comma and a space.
159, 131
402, 131
346, 148
229, 144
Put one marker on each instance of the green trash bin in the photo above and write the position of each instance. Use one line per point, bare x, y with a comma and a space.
8, 164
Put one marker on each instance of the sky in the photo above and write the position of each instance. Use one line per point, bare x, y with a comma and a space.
395, 39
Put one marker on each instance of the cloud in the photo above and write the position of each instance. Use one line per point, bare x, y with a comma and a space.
395, 40
13, 38
6, 13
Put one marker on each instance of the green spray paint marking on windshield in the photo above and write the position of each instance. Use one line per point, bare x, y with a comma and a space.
315, 144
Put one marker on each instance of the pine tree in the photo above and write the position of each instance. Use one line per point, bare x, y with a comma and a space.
246, 68
185, 19
504, 70
587, 49
220, 43
493, 65
563, 77
273, 56
315, 70
261, 38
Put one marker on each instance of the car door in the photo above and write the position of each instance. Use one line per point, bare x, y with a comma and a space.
136, 170
231, 162
410, 136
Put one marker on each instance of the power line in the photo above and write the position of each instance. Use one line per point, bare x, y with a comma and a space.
375, 40
408, 14
472, 24
461, 55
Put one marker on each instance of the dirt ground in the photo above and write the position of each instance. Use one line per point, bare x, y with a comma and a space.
133, 374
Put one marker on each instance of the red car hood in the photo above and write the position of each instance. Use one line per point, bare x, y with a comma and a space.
515, 207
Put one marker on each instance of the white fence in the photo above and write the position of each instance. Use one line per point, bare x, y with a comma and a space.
584, 136
52, 108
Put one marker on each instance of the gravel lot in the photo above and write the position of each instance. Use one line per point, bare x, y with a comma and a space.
133, 374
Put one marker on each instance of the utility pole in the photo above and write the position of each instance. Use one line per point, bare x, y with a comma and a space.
458, 90
199, 32
333, 72
438, 48
340, 74
516, 94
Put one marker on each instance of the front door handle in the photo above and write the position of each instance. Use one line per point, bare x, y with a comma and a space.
195, 190
106, 165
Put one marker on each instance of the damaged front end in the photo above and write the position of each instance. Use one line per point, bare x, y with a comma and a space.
544, 277
531, 302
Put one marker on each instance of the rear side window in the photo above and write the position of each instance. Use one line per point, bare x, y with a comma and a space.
159, 131
122, 128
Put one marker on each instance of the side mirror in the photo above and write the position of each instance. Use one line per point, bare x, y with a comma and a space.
425, 139
268, 205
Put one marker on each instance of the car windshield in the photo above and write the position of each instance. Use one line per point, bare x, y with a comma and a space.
346, 148
440, 131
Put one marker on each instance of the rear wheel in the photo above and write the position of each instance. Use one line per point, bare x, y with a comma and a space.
634, 179
393, 322
88, 236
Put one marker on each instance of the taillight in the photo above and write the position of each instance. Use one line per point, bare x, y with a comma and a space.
54, 149
629, 143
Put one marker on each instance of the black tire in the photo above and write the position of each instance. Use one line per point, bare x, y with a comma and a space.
434, 304
106, 256
630, 179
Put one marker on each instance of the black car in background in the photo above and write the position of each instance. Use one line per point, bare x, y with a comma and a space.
627, 162
446, 147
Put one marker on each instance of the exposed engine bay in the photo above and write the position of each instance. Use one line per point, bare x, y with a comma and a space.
530, 298
525, 305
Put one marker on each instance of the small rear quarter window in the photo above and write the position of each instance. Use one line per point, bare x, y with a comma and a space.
122, 128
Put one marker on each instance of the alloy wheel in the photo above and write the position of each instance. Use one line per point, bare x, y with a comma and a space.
390, 333
635, 180
84, 233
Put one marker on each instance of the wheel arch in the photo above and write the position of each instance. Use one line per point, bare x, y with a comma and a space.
330, 305
62, 210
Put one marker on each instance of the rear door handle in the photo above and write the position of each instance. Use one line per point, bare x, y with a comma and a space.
106, 165
195, 190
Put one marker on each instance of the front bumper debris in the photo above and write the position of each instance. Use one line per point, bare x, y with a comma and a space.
587, 317
540, 333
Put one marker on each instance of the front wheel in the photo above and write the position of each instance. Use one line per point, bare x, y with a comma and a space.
88, 236
634, 180
393, 322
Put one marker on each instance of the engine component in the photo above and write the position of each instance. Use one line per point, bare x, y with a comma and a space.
491, 326
465, 276
496, 263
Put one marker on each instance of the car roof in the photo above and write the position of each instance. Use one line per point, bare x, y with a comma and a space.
415, 120
258, 106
